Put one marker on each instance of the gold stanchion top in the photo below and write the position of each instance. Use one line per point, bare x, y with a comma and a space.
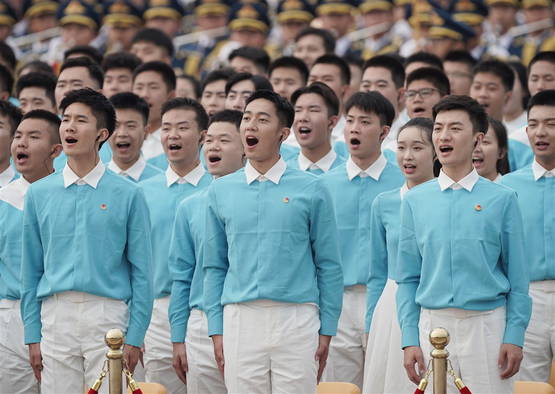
439, 338
114, 338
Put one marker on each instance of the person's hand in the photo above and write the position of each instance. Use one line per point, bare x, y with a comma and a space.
131, 355
322, 354
413, 355
510, 357
35, 359
180, 361
218, 341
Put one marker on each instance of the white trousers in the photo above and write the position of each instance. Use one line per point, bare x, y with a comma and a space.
347, 348
383, 367
16, 374
269, 347
475, 340
539, 340
72, 345
158, 355
204, 376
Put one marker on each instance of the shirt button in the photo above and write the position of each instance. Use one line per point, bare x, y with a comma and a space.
363, 175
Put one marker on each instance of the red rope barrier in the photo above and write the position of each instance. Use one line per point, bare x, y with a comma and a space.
465, 390
138, 391
92, 391
418, 391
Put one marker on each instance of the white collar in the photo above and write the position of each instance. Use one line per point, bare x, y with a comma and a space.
14, 192
404, 190
539, 171
6, 176
193, 177
91, 179
498, 178
274, 174
467, 182
323, 164
135, 171
374, 171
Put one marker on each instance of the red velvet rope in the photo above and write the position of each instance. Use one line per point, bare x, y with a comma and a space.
418, 391
138, 391
92, 391
465, 390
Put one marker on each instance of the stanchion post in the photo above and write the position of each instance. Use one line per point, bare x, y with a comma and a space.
114, 340
439, 338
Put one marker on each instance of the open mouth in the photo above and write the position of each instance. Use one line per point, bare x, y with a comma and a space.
445, 148
354, 141
22, 156
304, 130
541, 144
419, 110
214, 158
251, 141
71, 140
477, 161
123, 145
174, 147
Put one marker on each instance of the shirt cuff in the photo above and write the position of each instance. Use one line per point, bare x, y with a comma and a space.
135, 337
328, 327
410, 336
216, 325
514, 335
178, 332
32, 333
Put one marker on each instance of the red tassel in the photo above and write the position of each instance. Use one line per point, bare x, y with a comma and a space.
92, 391
138, 391
465, 390
418, 391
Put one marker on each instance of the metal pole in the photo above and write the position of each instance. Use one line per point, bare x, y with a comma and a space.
439, 338
114, 340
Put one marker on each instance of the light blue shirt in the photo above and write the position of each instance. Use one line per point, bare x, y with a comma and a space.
535, 188
271, 236
326, 163
105, 154
11, 231
520, 155
353, 191
185, 261
163, 194
89, 235
461, 246
340, 147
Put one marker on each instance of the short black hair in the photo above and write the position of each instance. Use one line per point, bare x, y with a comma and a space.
6, 79
100, 106
545, 56
93, 68
36, 66
475, 111
424, 57
217, 75
432, 75
229, 116
502, 165
545, 97
258, 56
284, 110
165, 71
13, 113
499, 69
322, 90
7, 53
372, 102
156, 37
84, 50
520, 72
194, 82
327, 38
51, 118
290, 62
188, 104
344, 70
461, 57
128, 100
259, 81
38, 80
121, 60
390, 63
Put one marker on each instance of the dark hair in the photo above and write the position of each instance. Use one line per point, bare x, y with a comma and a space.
121, 60
499, 69
390, 63
259, 81
500, 131
128, 100
327, 38
545, 97
432, 75
322, 90
84, 50
188, 104
7, 53
165, 71
156, 37
94, 69
425, 57
344, 70
372, 102
49, 117
6, 79
37, 66
38, 80
217, 75
461, 57
194, 82
284, 110
354, 60
13, 113
426, 126
229, 116
545, 56
256, 55
100, 106
475, 111
290, 62
520, 72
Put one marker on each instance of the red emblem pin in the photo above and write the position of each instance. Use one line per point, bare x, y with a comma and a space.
103, 206
286, 200
478, 207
